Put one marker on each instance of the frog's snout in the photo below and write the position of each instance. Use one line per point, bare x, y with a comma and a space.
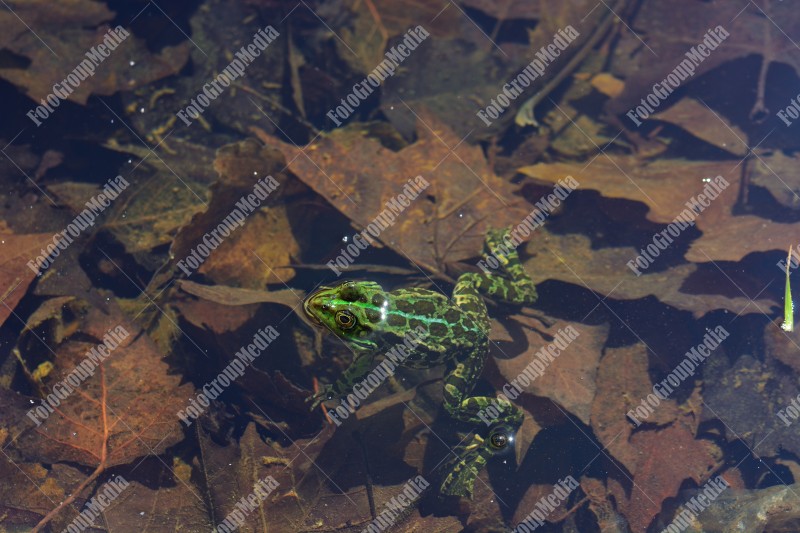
314, 305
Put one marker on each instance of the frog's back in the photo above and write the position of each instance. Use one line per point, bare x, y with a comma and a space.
443, 328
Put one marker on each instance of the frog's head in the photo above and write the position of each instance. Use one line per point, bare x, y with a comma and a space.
352, 310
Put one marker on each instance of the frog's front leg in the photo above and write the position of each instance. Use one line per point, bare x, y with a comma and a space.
360, 367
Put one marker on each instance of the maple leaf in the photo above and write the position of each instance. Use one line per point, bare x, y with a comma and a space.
445, 223
124, 410
670, 29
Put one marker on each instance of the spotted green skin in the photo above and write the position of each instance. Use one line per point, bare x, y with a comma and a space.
455, 331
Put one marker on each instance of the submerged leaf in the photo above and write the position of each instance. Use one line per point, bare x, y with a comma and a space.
15, 276
455, 197
125, 410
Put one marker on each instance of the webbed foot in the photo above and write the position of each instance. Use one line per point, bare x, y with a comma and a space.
460, 473
325, 393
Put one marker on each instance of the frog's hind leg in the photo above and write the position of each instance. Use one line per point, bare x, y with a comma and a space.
461, 472
513, 285
458, 384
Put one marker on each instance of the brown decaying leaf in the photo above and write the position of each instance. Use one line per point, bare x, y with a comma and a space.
608, 519
447, 222
748, 395
259, 252
696, 118
15, 276
205, 313
533, 495
70, 30
622, 384
658, 459
236, 296
666, 186
667, 457
30, 490
370, 25
670, 32
126, 410
174, 504
607, 84
569, 379
570, 258
320, 483
777, 172
456, 76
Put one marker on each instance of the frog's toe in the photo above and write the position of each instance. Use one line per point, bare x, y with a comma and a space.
460, 479
316, 399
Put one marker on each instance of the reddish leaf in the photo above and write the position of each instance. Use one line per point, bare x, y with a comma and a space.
447, 222
622, 383
126, 410
667, 457
569, 379
15, 276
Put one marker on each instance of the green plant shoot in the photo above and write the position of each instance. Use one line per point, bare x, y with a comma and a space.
788, 305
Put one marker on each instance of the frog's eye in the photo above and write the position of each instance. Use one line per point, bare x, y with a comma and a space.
345, 320
498, 440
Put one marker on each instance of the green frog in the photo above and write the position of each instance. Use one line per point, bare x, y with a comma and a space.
455, 332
